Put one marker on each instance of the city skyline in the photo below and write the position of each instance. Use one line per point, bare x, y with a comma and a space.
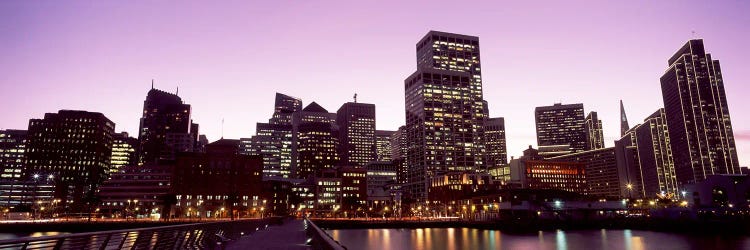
510, 84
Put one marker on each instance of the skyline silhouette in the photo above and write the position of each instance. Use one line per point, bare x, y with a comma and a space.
101, 57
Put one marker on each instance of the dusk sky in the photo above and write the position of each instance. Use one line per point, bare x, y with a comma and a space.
229, 59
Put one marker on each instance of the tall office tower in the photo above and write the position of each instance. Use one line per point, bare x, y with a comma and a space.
624, 127
273, 140
74, 148
164, 128
12, 154
356, 123
123, 151
398, 154
628, 166
383, 145
444, 110
697, 113
655, 155
560, 127
594, 133
494, 142
314, 142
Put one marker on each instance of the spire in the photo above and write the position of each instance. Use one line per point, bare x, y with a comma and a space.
152, 83
624, 127
178, 91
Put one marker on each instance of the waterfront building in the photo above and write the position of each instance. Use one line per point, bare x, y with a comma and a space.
123, 151
594, 133
560, 129
602, 173
444, 110
697, 115
356, 124
381, 179
12, 154
74, 149
136, 191
534, 172
353, 190
383, 145
727, 192
165, 127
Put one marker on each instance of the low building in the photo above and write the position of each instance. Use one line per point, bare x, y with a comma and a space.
135, 191
719, 191
602, 175
534, 172
381, 178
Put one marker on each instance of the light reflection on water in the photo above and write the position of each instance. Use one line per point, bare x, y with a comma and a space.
467, 238
10, 236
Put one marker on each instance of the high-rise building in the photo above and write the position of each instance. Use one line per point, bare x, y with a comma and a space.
494, 142
165, 127
314, 141
624, 127
356, 123
398, 154
73, 148
594, 133
560, 127
655, 155
697, 115
273, 140
444, 110
12, 154
383, 145
123, 151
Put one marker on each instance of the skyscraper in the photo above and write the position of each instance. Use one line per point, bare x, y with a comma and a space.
594, 133
12, 154
444, 109
314, 142
697, 115
494, 142
273, 140
561, 127
74, 148
356, 123
164, 128
655, 155
624, 127
383, 145
398, 154
123, 151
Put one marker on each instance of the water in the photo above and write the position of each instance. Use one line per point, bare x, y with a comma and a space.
467, 238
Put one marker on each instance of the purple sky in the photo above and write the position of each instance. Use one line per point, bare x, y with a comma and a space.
229, 59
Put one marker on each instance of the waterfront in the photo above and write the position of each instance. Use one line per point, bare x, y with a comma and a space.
10, 236
469, 238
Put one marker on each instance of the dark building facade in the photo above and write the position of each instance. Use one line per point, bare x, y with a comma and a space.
123, 151
165, 127
74, 148
560, 126
602, 173
398, 154
356, 124
697, 114
12, 154
444, 110
594, 132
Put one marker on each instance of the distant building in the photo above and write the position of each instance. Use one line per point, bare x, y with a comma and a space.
594, 133
447, 190
356, 124
534, 172
381, 178
602, 173
444, 93
165, 127
136, 187
12, 154
123, 151
561, 126
353, 190
74, 148
273, 140
315, 141
383, 145
655, 155
697, 115
398, 154
496, 153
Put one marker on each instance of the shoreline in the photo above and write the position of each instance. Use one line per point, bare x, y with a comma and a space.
719, 227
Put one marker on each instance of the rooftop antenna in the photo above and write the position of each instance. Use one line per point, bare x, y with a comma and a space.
152, 83
178, 91
355, 97
222, 128
694, 36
